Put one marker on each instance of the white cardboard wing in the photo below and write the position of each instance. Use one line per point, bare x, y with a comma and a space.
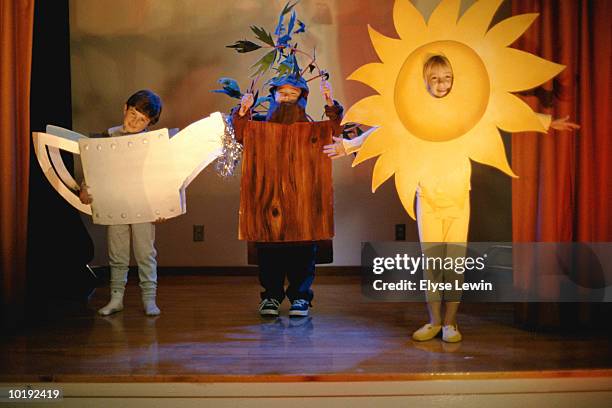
135, 178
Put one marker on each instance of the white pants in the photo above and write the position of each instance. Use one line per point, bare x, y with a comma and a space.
143, 240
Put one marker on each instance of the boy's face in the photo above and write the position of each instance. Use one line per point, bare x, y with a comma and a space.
439, 80
134, 121
287, 94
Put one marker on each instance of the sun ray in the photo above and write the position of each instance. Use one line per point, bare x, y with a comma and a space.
527, 70
507, 31
477, 18
490, 150
406, 184
443, 19
376, 144
409, 22
383, 169
374, 75
368, 111
385, 47
511, 114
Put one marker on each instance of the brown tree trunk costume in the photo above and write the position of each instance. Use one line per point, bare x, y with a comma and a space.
286, 194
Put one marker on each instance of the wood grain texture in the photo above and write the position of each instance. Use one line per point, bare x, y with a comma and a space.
286, 193
210, 331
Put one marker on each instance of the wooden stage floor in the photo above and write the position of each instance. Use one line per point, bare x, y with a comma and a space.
210, 331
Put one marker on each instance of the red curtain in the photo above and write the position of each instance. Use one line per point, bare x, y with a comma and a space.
16, 17
565, 186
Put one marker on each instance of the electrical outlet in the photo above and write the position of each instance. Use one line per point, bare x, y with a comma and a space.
198, 233
400, 232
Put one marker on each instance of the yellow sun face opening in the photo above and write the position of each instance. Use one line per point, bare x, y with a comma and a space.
422, 135
442, 119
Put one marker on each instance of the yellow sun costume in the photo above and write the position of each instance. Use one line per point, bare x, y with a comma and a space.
427, 142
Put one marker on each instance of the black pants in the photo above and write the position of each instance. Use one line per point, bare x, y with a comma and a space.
295, 261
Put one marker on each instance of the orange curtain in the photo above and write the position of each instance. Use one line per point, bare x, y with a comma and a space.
565, 186
16, 17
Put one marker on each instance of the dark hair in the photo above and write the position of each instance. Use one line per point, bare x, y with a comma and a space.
148, 103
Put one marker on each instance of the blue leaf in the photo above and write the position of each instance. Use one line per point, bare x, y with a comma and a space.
230, 87
261, 100
229, 83
291, 22
280, 28
284, 40
301, 29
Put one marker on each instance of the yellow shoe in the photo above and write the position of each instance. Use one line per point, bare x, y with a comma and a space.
451, 334
427, 332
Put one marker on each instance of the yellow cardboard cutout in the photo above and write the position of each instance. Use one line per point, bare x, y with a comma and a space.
421, 136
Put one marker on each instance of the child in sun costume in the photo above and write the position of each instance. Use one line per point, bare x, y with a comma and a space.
426, 136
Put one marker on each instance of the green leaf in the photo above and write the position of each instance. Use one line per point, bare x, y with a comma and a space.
263, 35
284, 69
264, 63
243, 46
288, 8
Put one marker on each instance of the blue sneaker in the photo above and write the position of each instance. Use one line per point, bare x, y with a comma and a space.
269, 307
299, 308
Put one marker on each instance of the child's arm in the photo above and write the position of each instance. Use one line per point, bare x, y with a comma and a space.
326, 90
343, 147
564, 124
333, 110
245, 103
241, 115
561, 124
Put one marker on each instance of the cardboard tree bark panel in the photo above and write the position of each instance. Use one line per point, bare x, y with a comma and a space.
286, 190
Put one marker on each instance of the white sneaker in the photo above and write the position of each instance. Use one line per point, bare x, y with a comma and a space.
451, 334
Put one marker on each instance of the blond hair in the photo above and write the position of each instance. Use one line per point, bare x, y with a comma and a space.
435, 61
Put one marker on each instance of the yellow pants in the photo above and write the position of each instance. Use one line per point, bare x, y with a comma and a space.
443, 234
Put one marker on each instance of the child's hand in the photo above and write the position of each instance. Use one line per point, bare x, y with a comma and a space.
159, 221
84, 195
564, 124
336, 149
245, 103
326, 90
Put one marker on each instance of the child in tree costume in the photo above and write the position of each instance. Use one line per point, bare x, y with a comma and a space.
286, 197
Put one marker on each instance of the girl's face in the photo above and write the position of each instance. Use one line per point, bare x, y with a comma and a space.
439, 80
134, 121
